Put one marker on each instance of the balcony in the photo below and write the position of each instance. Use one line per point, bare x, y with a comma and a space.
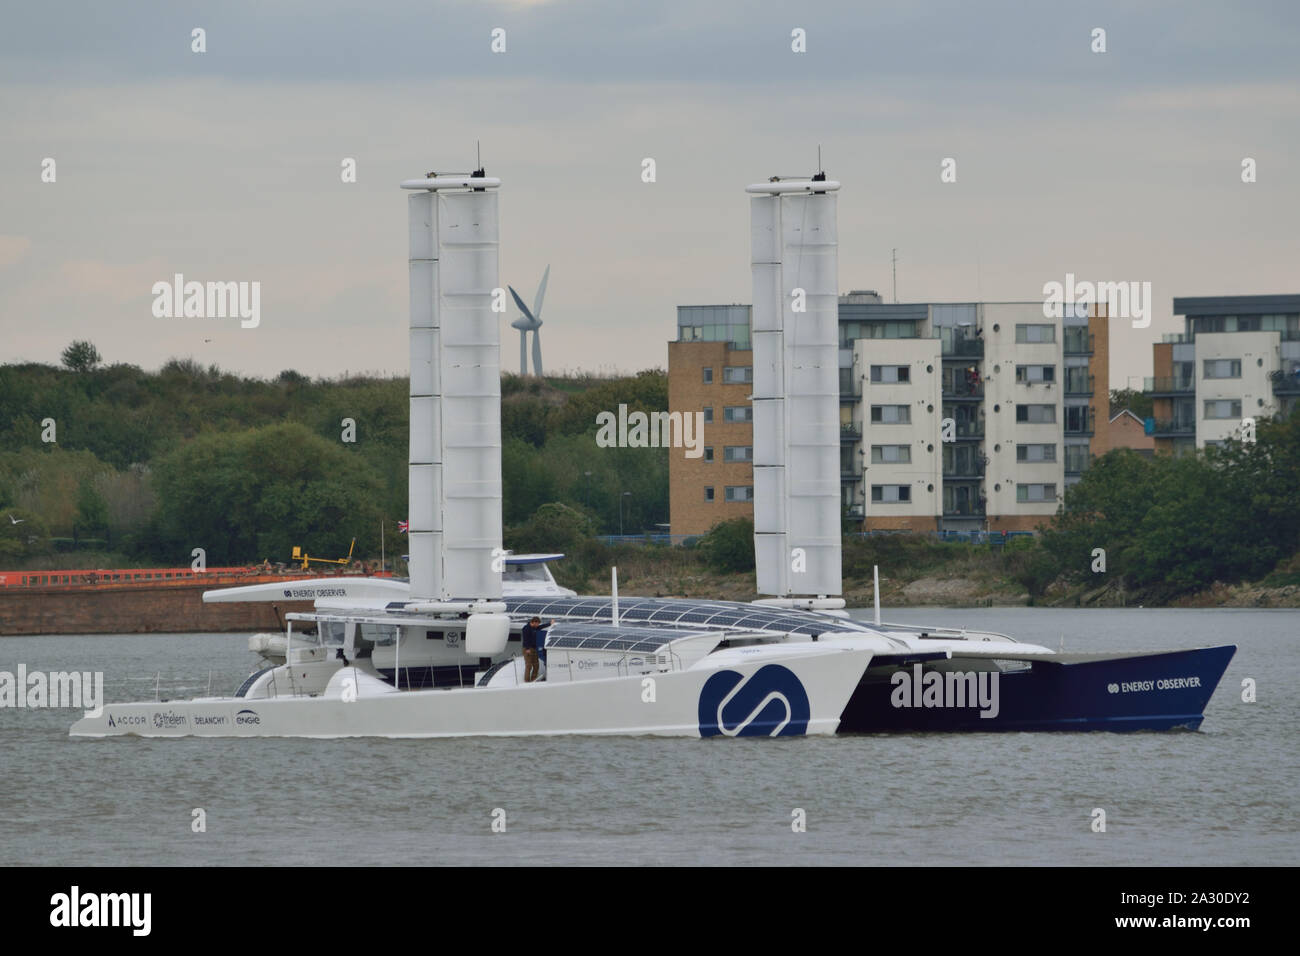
965, 511
849, 476
1174, 428
963, 348
1081, 425
1286, 382
965, 471
850, 432
1079, 385
1077, 343
970, 431
1166, 386
963, 391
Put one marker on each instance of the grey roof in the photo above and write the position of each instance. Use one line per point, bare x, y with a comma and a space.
1237, 305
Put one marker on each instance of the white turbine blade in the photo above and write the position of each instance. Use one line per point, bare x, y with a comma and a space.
537, 353
541, 294
520, 302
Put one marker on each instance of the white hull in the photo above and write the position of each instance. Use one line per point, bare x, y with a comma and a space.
685, 704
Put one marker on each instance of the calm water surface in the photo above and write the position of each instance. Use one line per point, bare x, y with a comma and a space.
1223, 795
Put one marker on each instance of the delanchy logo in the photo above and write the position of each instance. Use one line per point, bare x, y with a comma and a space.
772, 703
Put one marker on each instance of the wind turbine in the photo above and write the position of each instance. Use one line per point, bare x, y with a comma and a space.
530, 321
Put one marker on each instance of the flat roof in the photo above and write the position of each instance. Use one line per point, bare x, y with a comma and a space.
1236, 305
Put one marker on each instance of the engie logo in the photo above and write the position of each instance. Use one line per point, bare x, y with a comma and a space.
772, 703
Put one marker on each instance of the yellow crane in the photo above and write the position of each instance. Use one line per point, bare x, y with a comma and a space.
300, 555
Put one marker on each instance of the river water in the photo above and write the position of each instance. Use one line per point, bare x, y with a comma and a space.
1225, 795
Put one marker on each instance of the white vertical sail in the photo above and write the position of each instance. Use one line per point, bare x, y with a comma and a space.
794, 244
455, 454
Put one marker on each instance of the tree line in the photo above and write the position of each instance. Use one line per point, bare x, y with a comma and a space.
144, 466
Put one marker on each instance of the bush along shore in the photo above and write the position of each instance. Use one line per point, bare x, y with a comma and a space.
915, 571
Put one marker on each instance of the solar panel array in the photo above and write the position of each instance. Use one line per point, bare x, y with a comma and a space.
607, 637
685, 614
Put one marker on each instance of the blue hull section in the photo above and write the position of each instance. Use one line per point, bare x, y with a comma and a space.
1153, 692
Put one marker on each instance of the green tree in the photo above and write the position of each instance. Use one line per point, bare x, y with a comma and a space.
251, 495
729, 546
1139, 403
81, 356
553, 527
22, 535
92, 512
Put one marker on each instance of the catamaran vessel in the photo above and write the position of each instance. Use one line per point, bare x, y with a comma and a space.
438, 655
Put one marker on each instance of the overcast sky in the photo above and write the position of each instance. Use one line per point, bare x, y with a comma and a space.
225, 165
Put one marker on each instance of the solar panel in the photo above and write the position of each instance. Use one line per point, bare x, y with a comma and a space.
684, 611
607, 637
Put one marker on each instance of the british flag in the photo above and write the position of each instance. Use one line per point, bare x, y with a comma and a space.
403, 527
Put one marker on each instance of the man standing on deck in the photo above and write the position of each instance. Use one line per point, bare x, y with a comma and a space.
534, 636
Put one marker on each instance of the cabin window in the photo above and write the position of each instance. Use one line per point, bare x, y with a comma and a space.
379, 633
332, 633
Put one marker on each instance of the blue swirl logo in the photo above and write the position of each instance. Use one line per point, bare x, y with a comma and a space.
772, 703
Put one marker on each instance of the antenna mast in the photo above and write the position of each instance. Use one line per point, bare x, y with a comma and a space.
894, 261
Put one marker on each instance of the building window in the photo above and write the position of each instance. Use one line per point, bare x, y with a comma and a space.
852, 331
886, 494
1033, 374
1223, 408
738, 375
1032, 452
740, 492
1227, 323
738, 453
708, 492
738, 413
1222, 368
1036, 414
708, 376
1078, 419
708, 414
1078, 340
891, 414
708, 453
891, 454
890, 374
1028, 334
1036, 492
1078, 380
1076, 458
